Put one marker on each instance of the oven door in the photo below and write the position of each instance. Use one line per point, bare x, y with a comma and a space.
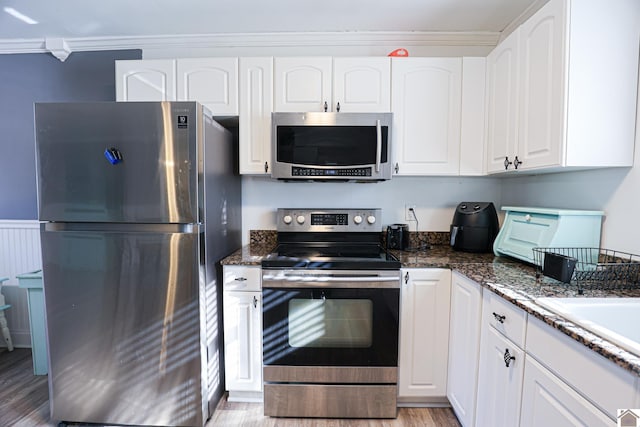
341, 318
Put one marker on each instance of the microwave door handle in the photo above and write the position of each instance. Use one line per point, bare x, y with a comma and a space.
378, 145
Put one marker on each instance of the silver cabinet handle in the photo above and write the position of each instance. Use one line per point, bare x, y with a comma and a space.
266, 167
498, 317
326, 107
508, 357
506, 163
255, 302
406, 278
241, 279
516, 162
397, 168
338, 107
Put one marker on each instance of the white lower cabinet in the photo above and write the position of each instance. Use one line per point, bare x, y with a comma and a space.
499, 380
547, 401
424, 334
464, 347
529, 374
601, 387
242, 314
501, 362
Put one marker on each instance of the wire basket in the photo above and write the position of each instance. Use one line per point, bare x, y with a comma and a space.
589, 268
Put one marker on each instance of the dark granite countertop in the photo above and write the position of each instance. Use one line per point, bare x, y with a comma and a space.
514, 281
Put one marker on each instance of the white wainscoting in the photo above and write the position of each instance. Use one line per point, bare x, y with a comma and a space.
19, 253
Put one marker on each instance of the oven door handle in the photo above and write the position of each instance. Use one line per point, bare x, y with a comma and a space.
378, 145
326, 280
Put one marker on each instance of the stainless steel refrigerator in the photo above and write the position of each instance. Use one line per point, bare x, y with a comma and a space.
138, 202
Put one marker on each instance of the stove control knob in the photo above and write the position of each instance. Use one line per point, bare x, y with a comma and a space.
287, 219
300, 219
357, 219
371, 219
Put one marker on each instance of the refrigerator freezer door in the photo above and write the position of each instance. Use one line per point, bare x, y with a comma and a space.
123, 322
118, 162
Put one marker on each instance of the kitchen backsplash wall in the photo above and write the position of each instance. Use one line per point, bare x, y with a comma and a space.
435, 199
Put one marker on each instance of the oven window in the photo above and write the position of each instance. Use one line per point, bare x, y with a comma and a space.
328, 323
330, 326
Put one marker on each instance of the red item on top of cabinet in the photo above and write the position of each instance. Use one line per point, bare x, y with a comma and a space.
399, 52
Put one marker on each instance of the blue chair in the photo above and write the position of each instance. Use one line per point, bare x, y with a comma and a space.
3, 321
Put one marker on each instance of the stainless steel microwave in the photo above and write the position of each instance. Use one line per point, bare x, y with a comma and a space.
331, 146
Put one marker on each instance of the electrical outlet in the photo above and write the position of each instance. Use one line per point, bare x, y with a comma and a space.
408, 216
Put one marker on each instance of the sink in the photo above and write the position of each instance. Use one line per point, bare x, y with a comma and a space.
614, 319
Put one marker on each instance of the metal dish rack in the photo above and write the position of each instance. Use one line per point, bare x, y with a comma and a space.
595, 268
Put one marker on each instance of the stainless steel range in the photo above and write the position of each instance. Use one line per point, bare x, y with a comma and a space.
331, 297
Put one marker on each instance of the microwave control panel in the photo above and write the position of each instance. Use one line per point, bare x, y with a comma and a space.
312, 172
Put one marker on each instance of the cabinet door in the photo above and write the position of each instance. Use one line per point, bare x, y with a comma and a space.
464, 347
426, 102
302, 84
362, 84
424, 332
502, 104
548, 401
146, 80
211, 81
541, 87
256, 106
243, 340
472, 126
499, 385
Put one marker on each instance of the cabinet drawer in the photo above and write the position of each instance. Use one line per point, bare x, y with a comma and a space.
599, 380
242, 278
505, 317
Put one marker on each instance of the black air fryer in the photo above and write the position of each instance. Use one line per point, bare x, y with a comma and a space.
474, 227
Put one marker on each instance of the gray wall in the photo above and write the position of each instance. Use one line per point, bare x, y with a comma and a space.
29, 78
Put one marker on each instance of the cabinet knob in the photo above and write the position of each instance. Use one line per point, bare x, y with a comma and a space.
255, 303
516, 162
266, 167
397, 168
338, 107
506, 163
499, 317
508, 357
406, 278
326, 107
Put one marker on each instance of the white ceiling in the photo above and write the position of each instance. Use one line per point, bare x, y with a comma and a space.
69, 19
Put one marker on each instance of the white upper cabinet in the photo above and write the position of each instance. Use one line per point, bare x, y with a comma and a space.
146, 80
211, 81
426, 102
256, 106
562, 95
541, 84
472, 126
502, 73
362, 85
332, 84
302, 84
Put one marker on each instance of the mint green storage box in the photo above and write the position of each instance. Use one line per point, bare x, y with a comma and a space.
526, 228
32, 282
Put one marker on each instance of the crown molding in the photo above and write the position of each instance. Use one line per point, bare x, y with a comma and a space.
355, 38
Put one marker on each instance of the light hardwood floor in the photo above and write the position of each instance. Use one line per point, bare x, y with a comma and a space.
24, 402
